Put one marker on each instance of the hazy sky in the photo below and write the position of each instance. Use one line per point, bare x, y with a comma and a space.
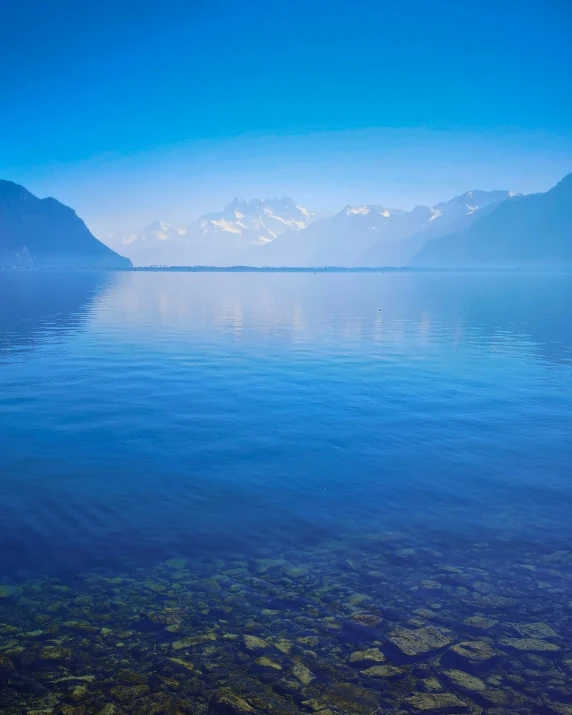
131, 111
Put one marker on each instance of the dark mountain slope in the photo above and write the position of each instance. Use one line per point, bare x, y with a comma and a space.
42, 233
447, 217
527, 231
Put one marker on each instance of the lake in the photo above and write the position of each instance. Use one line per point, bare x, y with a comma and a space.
227, 485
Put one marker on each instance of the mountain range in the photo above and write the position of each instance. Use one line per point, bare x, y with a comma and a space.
43, 233
526, 231
218, 238
279, 232
372, 235
477, 229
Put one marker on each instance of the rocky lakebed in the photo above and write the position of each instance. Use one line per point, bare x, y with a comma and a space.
362, 625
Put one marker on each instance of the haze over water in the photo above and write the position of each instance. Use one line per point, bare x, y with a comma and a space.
146, 416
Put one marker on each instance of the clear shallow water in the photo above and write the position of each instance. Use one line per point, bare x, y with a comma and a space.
404, 424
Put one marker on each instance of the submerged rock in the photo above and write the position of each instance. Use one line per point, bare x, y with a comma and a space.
283, 645
51, 652
193, 641
268, 663
531, 645
369, 655
279, 645
255, 643
429, 685
436, 703
480, 623
464, 681
470, 656
370, 620
535, 630
226, 702
349, 698
303, 673
421, 641
182, 664
385, 671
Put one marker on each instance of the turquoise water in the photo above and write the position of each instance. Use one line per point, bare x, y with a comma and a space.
321, 445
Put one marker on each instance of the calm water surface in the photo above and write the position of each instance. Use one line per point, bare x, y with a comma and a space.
150, 414
241, 493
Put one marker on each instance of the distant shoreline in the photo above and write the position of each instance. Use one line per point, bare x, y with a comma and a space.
341, 269
286, 269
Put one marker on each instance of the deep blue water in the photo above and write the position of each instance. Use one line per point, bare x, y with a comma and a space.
151, 415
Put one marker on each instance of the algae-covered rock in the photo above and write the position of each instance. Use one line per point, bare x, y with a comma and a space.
182, 664
369, 655
304, 674
79, 692
370, 620
225, 702
436, 703
530, 645
347, 698
464, 681
480, 623
193, 641
287, 686
284, 645
128, 693
469, 656
79, 626
388, 672
311, 641
51, 652
266, 662
535, 630
430, 685
421, 641
254, 643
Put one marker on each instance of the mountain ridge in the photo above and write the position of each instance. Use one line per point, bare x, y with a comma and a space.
44, 233
532, 230
217, 236
279, 232
371, 235
474, 229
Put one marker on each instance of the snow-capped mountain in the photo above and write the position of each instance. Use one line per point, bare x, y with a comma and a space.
278, 232
526, 231
372, 235
341, 239
217, 238
449, 216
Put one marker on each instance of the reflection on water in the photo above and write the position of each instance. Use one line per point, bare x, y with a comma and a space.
332, 493
46, 305
317, 307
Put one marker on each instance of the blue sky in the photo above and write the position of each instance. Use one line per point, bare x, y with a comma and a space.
131, 111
